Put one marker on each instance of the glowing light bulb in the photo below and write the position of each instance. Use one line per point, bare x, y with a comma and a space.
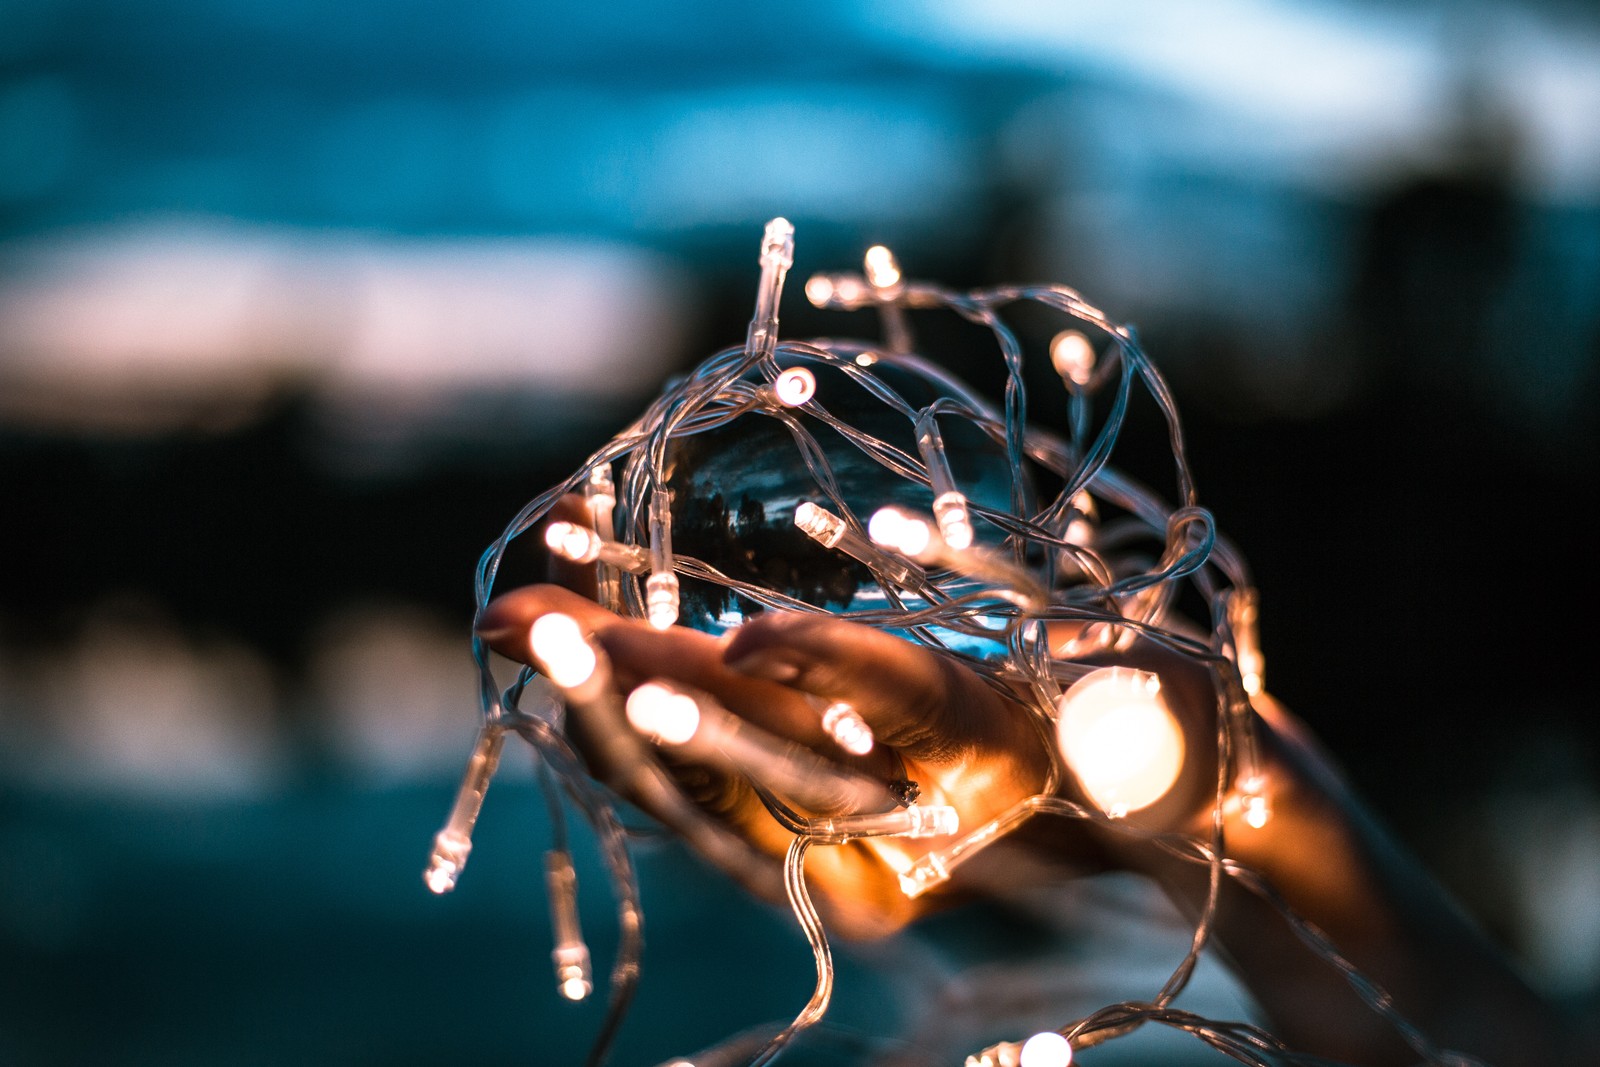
795, 386
843, 292
1080, 531
450, 851
1072, 356
819, 289
777, 244
600, 488
1256, 812
662, 714
881, 269
910, 535
1243, 614
563, 652
955, 524
1253, 803
883, 278
847, 728
572, 542
1047, 1049
1120, 738
901, 531
661, 600
583, 545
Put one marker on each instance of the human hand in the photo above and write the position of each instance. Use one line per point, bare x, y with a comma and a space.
965, 743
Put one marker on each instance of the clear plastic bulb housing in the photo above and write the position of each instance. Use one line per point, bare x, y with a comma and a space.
819, 524
913, 820
453, 844
571, 954
579, 544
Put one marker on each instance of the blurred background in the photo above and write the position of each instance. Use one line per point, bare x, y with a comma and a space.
300, 302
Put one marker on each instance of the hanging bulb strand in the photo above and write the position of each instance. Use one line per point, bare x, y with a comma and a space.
949, 503
453, 843
571, 953
661, 588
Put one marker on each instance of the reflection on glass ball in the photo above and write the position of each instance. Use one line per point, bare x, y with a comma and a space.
735, 491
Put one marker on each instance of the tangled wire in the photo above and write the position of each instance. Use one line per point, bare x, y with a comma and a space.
853, 426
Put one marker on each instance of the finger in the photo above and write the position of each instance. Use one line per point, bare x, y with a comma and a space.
860, 892
639, 653
614, 753
621, 759
608, 745
914, 698
508, 619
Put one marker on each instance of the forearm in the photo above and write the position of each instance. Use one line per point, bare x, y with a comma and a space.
1335, 866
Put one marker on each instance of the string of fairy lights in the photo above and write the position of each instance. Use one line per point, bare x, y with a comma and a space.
995, 582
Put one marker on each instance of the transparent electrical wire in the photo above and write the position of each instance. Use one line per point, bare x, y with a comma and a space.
1036, 565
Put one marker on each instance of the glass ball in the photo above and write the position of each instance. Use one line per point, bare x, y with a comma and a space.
736, 488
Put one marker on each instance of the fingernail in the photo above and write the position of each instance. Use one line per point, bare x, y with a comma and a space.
492, 631
768, 667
